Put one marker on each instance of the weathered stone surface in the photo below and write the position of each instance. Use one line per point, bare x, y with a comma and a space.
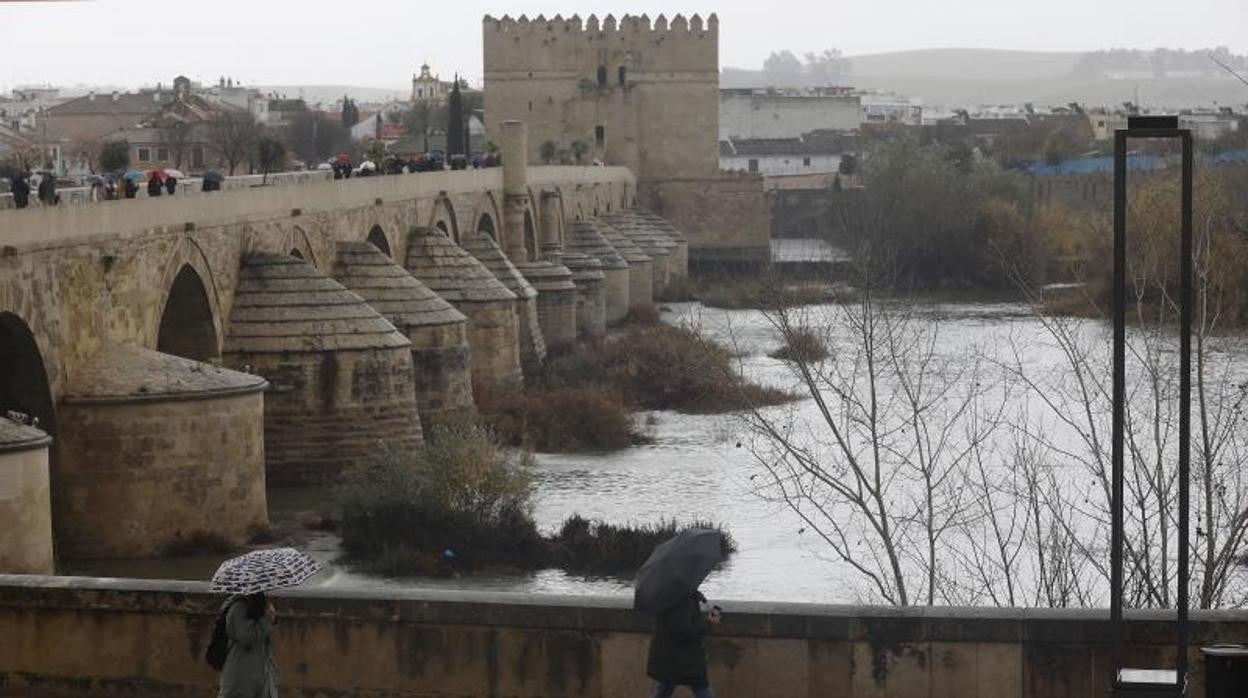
652, 232
586, 238
342, 375
155, 450
493, 326
556, 303
529, 331
640, 266
654, 243
426, 642
591, 294
438, 332
25, 500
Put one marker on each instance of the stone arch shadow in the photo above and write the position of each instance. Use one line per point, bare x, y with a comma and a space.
298, 244
379, 239
443, 218
188, 322
24, 384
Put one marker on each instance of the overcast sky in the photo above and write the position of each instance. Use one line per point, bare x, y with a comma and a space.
379, 43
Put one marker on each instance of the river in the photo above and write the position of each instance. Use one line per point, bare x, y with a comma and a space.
698, 466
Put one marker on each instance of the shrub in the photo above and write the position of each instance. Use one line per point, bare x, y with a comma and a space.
199, 543
665, 367
565, 419
464, 494
803, 345
595, 547
643, 314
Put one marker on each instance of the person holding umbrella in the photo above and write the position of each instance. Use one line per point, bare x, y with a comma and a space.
667, 588
241, 647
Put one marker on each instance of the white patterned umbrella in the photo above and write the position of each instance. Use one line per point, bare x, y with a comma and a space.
262, 570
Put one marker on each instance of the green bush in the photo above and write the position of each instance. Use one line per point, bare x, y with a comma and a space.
593, 547
464, 493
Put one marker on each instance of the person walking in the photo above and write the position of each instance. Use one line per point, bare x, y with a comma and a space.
677, 656
171, 184
249, 670
154, 186
21, 190
47, 190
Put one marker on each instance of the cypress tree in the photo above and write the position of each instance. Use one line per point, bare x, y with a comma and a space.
455, 122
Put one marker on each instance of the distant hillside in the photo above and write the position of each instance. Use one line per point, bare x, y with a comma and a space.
990, 76
327, 94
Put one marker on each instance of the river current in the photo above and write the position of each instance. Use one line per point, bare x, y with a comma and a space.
697, 467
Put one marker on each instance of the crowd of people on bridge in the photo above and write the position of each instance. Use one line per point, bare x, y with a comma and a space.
432, 161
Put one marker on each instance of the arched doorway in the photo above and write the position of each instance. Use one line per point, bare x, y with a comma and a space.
530, 235
377, 237
486, 225
186, 325
24, 383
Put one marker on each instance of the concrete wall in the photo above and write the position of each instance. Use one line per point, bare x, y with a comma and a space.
763, 114
72, 637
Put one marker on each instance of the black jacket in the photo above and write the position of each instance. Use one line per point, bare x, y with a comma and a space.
677, 654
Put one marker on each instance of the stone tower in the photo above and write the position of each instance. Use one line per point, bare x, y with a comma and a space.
634, 93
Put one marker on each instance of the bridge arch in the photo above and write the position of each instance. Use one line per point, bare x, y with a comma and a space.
24, 385
188, 321
443, 217
187, 325
380, 240
485, 225
530, 234
300, 245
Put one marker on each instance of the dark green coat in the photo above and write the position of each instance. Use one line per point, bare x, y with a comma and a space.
677, 655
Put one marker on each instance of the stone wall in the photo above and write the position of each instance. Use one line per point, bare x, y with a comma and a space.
25, 501
135, 478
105, 638
727, 219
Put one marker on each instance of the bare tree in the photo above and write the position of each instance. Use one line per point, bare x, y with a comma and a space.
880, 476
233, 133
177, 134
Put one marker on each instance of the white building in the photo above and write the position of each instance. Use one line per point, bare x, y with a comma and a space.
808, 154
890, 108
775, 113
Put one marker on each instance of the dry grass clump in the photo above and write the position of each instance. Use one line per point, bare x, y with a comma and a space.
594, 547
804, 345
563, 419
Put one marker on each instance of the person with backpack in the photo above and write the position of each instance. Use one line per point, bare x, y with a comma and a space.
242, 648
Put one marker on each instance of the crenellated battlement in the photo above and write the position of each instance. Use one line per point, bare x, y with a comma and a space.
693, 26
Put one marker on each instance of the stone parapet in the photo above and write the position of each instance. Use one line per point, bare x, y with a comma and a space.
424, 642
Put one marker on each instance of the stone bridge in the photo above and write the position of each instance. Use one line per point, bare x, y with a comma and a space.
182, 351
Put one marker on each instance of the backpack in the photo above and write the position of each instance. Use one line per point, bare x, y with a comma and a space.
219, 647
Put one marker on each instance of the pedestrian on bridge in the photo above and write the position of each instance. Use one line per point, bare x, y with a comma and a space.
21, 190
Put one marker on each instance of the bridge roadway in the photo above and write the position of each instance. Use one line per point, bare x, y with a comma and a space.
151, 451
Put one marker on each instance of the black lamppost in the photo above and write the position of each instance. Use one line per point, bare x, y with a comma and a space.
1137, 682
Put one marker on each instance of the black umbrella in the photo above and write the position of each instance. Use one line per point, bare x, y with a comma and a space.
676, 568
214, 177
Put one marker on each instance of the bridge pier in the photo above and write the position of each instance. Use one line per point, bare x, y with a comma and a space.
556, 303
438, 332
155, 452
456, 276
587, 239
25, 500
591, 295
529, 332
640, 265
342, 377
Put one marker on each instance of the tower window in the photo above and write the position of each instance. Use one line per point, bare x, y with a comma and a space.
623, 76
600, 135
602, 76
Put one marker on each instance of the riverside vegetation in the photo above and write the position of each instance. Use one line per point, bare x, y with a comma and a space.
585, 401
464, 504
